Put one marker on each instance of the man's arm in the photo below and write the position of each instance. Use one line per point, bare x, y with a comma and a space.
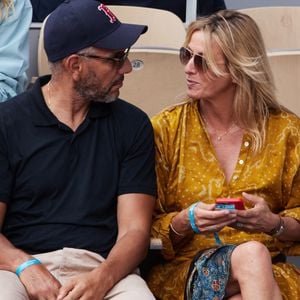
134, 222
10, 257
38, 281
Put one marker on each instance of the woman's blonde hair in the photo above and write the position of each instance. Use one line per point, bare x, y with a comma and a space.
240, 39
5, 7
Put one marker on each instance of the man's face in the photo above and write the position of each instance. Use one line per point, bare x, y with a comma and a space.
102, 78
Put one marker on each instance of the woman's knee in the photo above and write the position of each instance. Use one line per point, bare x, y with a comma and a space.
252, 250
251, 256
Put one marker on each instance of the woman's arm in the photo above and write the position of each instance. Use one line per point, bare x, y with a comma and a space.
14, 49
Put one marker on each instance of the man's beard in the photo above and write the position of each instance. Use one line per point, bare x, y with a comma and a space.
90, 89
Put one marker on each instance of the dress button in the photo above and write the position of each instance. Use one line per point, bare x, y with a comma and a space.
241, 161
246, 144
235, 177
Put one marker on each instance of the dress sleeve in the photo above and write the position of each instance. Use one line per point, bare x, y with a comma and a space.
14, 49
291, 180
162, 217
291, 173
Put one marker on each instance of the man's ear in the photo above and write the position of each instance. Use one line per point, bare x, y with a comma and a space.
73, 65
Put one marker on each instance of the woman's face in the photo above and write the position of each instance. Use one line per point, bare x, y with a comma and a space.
204, 84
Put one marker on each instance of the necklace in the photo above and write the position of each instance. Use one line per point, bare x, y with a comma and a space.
49, 103
49, 95
232, 128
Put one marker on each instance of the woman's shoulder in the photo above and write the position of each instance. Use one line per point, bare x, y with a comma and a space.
285, 123
175, 112
285, 118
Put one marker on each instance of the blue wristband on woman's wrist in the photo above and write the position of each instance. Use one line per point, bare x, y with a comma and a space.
27, 264
192, 218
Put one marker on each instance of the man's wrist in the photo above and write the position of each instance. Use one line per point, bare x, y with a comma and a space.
16, 258
26, 264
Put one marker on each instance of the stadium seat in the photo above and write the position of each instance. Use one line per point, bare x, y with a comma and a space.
280, 26
285, 66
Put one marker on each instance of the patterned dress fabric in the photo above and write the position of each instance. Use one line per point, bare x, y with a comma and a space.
209, 274
188, 171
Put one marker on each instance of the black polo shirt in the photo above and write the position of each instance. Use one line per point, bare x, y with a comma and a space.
60, 186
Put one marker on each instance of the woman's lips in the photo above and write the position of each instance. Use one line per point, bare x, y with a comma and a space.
191, 83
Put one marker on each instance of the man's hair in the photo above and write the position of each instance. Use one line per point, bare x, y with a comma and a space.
242, 44
5, 7
57, 68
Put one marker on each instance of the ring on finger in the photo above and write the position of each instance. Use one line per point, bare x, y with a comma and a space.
214, 228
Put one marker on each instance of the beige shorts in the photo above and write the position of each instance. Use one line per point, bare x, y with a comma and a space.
69, 262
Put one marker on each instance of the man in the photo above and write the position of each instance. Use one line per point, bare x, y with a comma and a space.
77, 180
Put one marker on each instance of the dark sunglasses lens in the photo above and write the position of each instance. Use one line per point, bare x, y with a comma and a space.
122, 56
199, 61
184, 55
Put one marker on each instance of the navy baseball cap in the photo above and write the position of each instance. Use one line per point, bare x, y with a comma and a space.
78, 24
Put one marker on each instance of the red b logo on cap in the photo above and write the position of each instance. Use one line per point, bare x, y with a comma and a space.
108, 12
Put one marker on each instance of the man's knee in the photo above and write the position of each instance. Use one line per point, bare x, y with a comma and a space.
135, 295
132, 287
11, 287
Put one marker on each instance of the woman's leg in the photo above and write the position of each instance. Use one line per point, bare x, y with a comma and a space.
251, 273
235, 297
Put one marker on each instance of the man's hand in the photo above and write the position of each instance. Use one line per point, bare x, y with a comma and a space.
87, 286
40, 284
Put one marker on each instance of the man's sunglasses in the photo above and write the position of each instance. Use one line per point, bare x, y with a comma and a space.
117, 60
186, 55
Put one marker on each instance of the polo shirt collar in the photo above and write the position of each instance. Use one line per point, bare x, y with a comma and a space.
42, 116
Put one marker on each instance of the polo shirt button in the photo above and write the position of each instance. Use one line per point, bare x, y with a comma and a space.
241, 161
246, 144
235, 177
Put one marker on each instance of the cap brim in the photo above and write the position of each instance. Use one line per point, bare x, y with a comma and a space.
123, 37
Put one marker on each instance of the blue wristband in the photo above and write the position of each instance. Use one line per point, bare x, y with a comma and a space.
192, 218
27, 264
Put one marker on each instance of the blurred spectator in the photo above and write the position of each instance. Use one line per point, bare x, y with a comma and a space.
205, 8
178, 7
15, 19
42, 8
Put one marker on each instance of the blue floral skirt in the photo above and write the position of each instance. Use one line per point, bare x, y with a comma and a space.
209, 273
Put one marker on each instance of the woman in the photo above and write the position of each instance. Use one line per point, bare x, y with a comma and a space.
15, 20
230, 139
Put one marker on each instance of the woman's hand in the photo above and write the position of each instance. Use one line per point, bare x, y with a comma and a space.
256, 219
206, 218
209, 220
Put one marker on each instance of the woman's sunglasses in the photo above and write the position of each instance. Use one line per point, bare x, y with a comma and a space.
186, 55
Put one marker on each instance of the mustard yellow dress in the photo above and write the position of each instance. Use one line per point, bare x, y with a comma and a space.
188, 171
